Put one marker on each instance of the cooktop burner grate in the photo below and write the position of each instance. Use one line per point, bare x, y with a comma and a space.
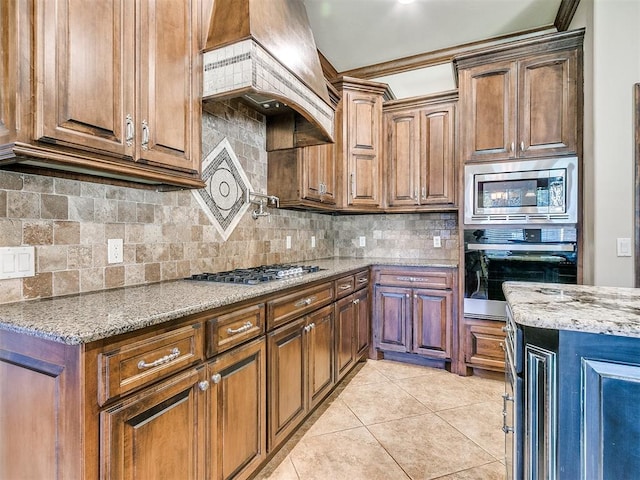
256, 275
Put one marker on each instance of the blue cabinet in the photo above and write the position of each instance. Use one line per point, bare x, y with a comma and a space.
599, 406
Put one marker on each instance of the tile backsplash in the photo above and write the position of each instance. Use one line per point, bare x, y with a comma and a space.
168, 236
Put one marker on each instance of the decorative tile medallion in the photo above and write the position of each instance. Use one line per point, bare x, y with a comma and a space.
224, 198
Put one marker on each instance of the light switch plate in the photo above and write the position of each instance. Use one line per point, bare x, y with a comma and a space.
624, 247
288, 241
363, 241
17, 262
313, 241
437, 243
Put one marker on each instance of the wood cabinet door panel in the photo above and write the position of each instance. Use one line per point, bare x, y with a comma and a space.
155, 434
363, 121
238, 429
432, 317
363, 180
489, 112
392, 309
312, 172
168, 107
363, 321
83, 72
321, 354
402, 158
437, 167
547, 103
344, 338
287, 395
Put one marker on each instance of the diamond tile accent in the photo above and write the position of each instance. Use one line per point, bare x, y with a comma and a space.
224, 198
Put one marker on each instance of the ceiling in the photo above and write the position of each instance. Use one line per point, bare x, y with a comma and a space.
355, 34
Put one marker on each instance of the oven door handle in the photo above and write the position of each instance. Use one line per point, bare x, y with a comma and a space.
520, 247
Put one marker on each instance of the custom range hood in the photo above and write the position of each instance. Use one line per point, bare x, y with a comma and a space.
263, 52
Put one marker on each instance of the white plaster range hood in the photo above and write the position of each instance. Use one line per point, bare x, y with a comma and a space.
263, 52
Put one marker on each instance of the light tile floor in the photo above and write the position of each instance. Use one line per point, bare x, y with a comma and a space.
395, 421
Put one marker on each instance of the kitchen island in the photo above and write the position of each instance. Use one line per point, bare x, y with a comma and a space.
575, 378
180, 379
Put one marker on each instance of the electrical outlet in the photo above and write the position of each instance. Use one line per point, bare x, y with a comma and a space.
437, 242
313, 241
363, 241
115, 249
288, 241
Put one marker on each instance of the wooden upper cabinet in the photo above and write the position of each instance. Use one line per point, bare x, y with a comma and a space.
168, 106
364, 112
522, 100
85, 66
488, 118
437, 145
548, 104
359, 144
105, 88
319, 173
420, 154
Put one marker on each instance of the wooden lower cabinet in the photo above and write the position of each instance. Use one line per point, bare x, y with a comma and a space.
237, 432
483, 344
157, 433
352, 330
413, 313
300, 370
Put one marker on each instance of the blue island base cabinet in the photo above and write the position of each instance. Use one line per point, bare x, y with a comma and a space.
599, 406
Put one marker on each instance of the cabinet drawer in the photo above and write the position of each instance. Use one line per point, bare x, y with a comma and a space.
424, 278
288, 307
345, 286
484, 344
230, 329
140, 363
362, 279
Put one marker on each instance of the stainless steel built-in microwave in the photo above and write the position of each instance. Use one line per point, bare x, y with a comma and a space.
543, 191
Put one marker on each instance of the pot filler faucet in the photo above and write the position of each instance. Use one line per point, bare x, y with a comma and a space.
262, 200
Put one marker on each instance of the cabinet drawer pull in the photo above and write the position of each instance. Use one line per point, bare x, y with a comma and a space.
145, 135
346, 286
305, 302
216, 378
175, 353
242, 329
362, 280
404, 279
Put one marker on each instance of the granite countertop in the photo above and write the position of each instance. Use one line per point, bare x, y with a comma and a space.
83, 318
583, 308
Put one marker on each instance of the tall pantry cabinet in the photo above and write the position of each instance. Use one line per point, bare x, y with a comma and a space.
105, 88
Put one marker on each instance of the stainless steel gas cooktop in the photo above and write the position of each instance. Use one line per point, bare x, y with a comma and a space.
256, 275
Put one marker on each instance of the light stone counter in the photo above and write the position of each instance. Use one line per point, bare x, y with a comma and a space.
83, 318
581, 308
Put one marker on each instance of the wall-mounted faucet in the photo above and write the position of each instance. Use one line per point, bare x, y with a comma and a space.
262, 200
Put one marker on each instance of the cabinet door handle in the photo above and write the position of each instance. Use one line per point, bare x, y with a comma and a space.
353, 186
175, 353
522, 146
242, 329
513, 146
203, 385
424, 193
129, 130
356, 301
407, 295
215, 378
415, 195
145, 135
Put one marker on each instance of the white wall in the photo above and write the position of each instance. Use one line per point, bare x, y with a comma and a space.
612, 67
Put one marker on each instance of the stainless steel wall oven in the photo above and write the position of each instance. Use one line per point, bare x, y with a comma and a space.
495, 255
